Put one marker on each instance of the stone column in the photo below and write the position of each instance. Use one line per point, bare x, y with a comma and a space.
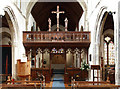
14, 59
97, 54
117, 49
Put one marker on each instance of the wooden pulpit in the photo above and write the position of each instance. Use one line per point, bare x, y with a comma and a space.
23, 69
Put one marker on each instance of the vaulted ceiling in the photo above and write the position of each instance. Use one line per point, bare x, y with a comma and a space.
42, 11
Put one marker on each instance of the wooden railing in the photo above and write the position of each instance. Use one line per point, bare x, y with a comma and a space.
42, 36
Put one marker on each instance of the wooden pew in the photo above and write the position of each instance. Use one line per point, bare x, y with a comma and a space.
41, 71
93, 85
77, 73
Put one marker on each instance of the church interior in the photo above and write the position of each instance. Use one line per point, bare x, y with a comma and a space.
66, 44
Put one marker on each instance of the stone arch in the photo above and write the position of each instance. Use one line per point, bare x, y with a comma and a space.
100, 32
13, 24
97, 33
98, 21
12, 21
32, 3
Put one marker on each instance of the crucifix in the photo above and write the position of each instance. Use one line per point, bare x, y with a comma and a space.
58, 12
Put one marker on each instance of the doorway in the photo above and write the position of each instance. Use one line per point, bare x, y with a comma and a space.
58, 63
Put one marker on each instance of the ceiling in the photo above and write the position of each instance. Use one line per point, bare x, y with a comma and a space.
42, 11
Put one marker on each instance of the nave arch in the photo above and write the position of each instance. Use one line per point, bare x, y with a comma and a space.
14, 30
104, 28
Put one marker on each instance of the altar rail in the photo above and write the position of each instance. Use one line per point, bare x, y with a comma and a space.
43, 36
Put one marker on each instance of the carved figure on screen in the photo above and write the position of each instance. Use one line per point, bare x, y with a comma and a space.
66, 24
49, 21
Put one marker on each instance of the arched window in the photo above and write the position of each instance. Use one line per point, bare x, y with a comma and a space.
54, 50
61, 50
110, 53
105, 53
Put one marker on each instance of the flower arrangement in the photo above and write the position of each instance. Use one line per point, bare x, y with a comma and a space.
84, 66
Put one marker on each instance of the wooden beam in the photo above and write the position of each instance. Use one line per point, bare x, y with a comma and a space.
5, 45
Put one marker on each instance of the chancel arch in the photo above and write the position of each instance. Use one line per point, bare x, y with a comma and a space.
6, 47
66, 6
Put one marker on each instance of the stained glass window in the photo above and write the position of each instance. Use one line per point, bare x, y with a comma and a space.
110, 53
61, 50
105, 53
54, 50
